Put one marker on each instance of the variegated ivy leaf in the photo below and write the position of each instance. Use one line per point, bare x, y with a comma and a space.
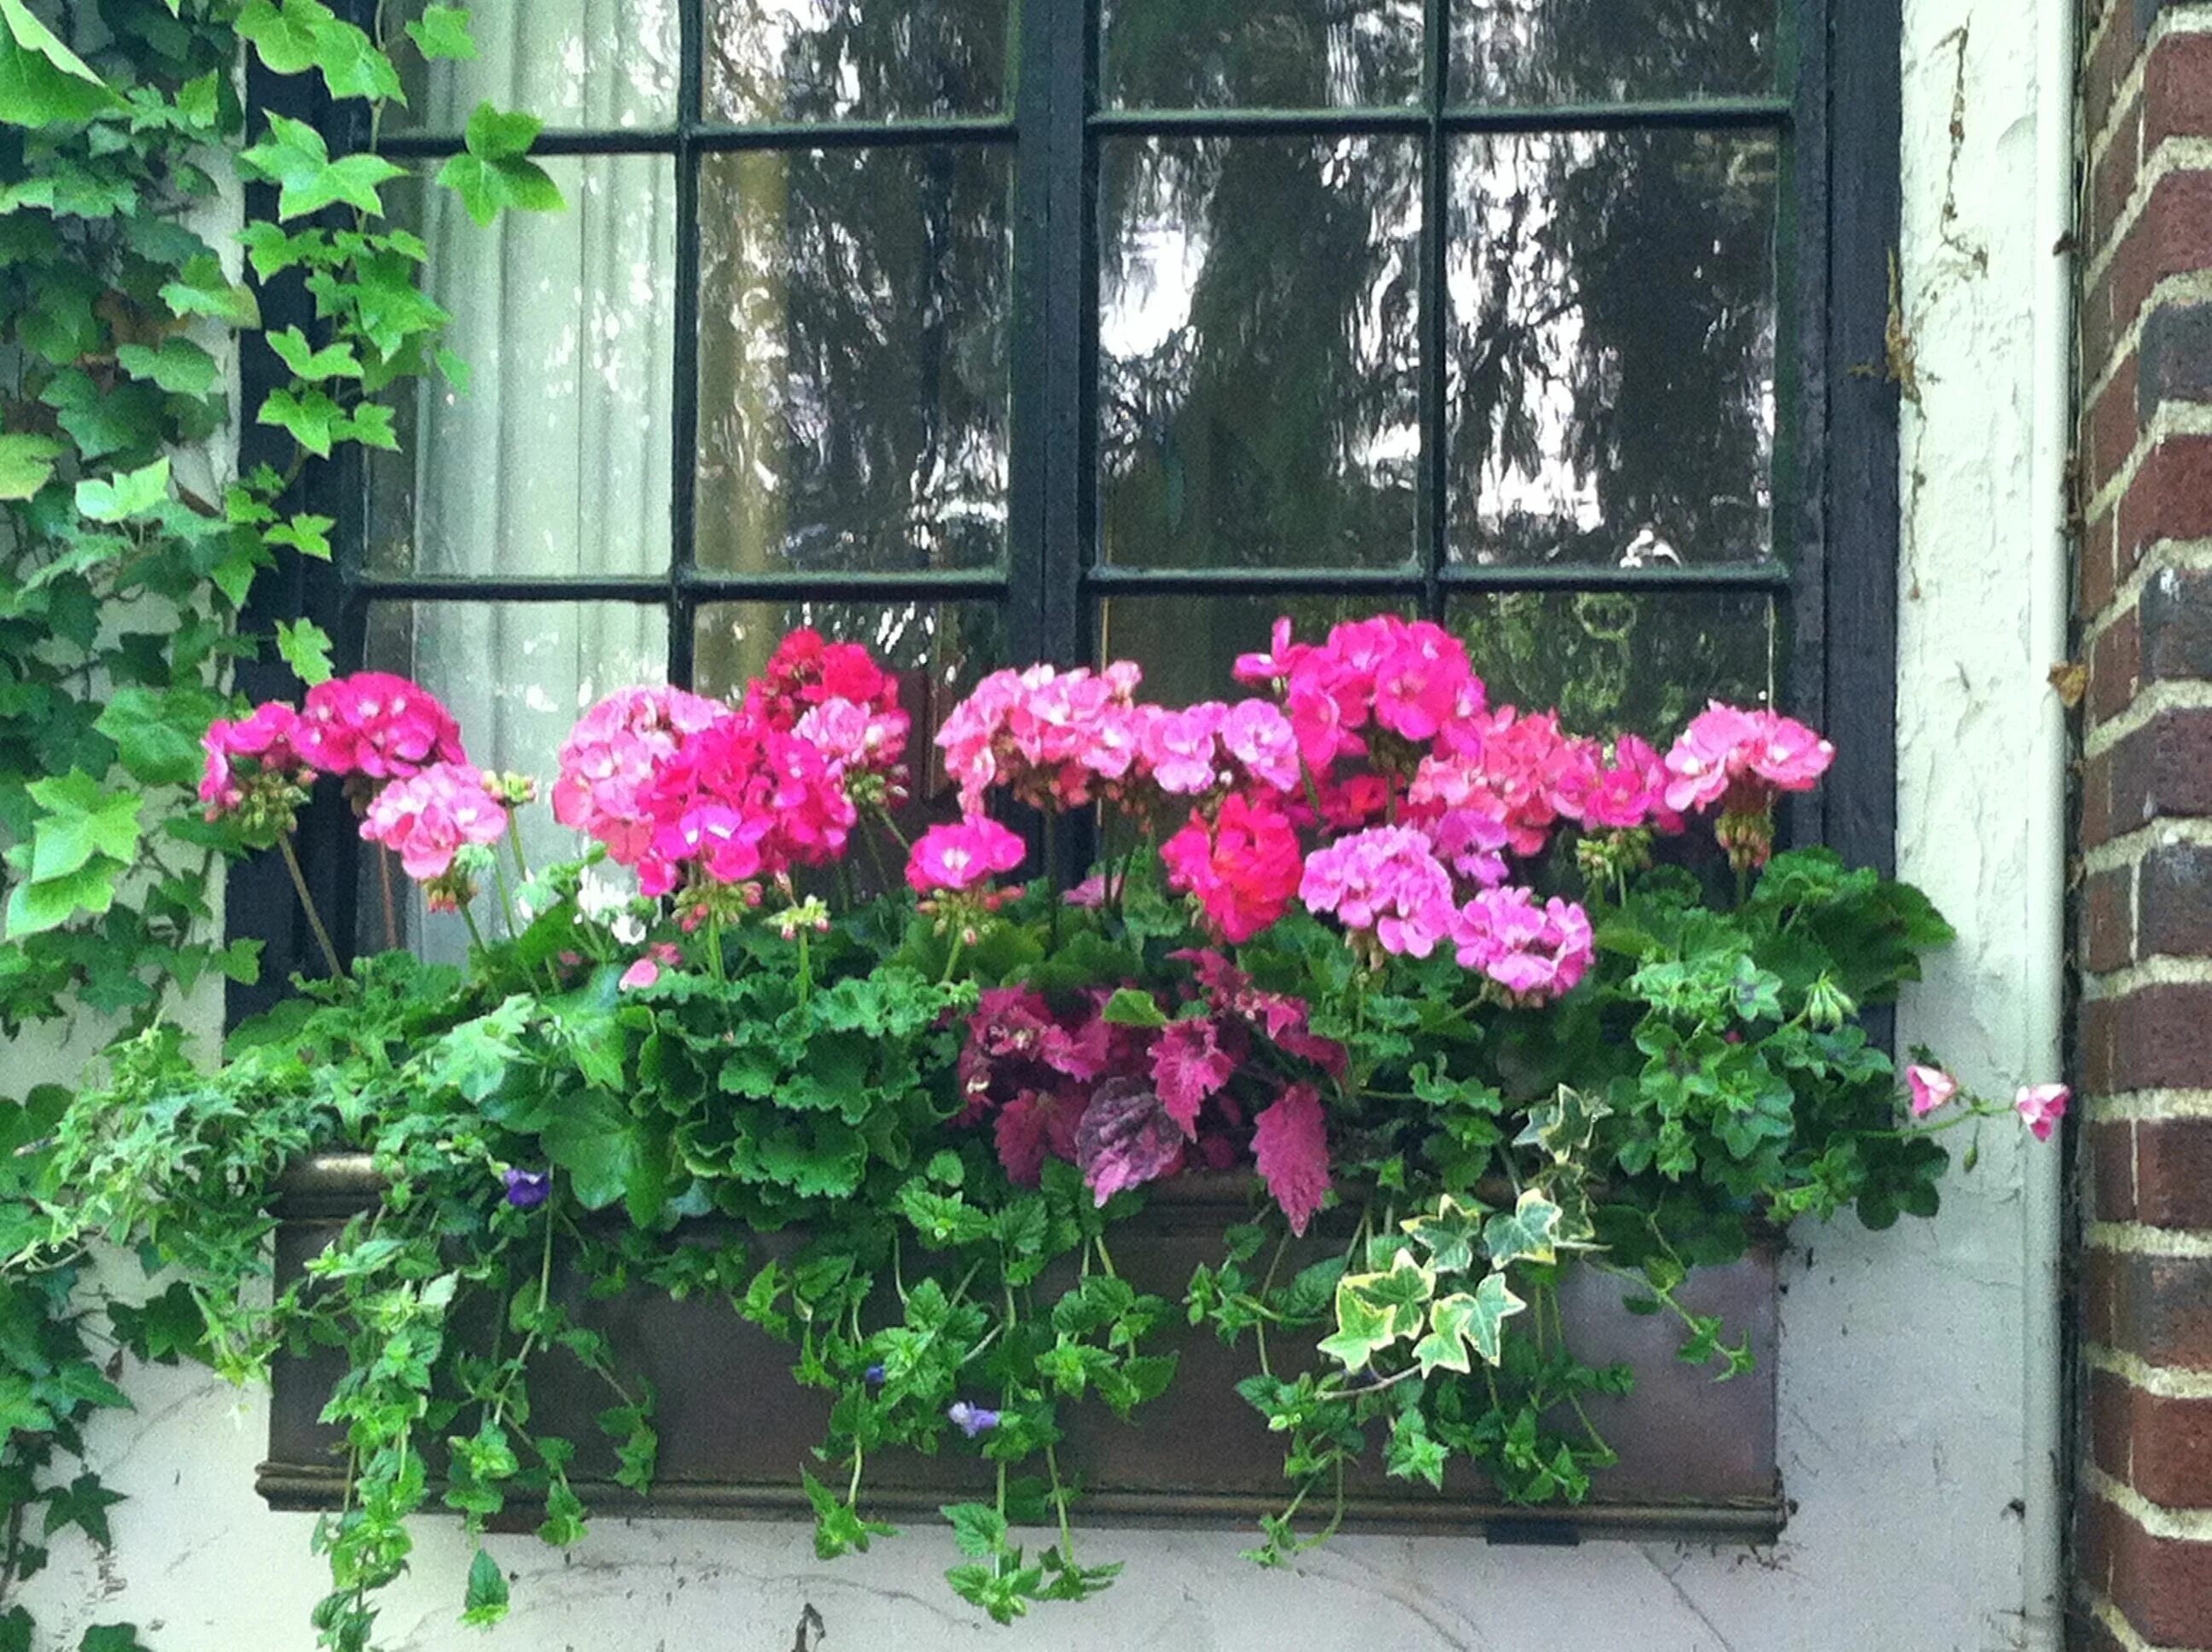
1375, 1310
1465, 1319
1564, 1126
1449, 1234
1529, 1233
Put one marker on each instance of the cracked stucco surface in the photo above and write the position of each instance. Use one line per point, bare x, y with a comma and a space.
1902, 1424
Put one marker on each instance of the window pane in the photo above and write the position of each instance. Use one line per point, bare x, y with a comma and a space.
1188, 645
594, 64
1612, 351
1171, 54
853, 59
852, 377
1540, 51
554, 460
554, 659
941, 651
1612, 661
1259, 397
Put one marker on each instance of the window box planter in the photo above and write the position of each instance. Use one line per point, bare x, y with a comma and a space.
1697, 1456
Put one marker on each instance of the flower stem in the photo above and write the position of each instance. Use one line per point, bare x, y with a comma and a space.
307, 905
469, 916
714, 947
514, 842
390, 901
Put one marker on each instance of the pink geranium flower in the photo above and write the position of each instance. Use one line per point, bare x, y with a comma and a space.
1386, 880
1751, 755
429, 817
959, 857
1535, 952
2040, 1107
611, 757
267, 739
377, 726
1257, 734
1243, 869
1177, 748
1929, 1088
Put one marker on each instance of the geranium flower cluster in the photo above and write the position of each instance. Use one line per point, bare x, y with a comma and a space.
835, 697
1129, 1104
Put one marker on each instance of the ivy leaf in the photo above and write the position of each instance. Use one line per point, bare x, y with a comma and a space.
1461, 1320
1530, 1233
42, 82
27, 463
294, 157
492, 136
306, 533
1128, 1137
35, 907
485, 1603
180, 365
124, 497
487, 187
1449, 1234
112, 1638
35, 36
305, 648
312, 419
1290, 1143
82, 819
286, 40
443, 32
153, 732
331, 362
1564, 1125
202, 288
1362, 1330
83, 1505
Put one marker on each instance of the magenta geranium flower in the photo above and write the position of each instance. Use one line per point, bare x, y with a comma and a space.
2040, 1107
1243, 868
961, 856
1929, 1087
267, 740
428, 817
377, 726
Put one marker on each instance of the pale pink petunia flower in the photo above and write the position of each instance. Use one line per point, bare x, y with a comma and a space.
1931, 1088
2040, 1107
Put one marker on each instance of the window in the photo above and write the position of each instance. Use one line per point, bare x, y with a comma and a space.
988, 330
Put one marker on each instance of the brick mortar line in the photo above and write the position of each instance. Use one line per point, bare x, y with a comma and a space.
2140, 1239
2115, 1622
2160, 969
2159, 1381
2174, 155
2172, 421
2150, 703
2149, 1107
2129, 848
2183, 286
2163, 28
2173, 1525
2163, 556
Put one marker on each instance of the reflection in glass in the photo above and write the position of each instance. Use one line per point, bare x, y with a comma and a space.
852, 372
1296, 54
1611, 348
1188, 645
941, 651
1258, 392
1613, 660
1540, 51
595, 64
554, 660
548, 456
770, 60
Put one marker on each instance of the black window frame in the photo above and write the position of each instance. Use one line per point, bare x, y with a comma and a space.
1833, 576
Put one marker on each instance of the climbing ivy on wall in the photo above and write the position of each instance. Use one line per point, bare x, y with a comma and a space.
131, 307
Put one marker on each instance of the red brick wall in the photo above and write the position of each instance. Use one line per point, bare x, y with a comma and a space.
2143, 1540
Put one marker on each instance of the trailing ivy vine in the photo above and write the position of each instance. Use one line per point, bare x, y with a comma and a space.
131, 305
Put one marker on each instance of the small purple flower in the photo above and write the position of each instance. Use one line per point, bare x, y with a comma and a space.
971, 1420
526, 1189
875, 1376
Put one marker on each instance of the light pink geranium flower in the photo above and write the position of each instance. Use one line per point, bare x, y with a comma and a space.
611, 756
1931, 1088
1387, 880
1259, 736
1751, 754
1177, 748
1535, 952
428, 817
2040, 1107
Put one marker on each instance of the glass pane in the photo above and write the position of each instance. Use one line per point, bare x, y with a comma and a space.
1612, 351
553, 459
1540, 51
1188, 645
1294, 54
941, 651
1612, 661
1258, 395
554, 660
592, 64
853, 59
852, 376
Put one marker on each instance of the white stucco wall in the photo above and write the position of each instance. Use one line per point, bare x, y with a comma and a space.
1917, 1366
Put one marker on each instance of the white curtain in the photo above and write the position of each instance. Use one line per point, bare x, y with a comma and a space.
553, 460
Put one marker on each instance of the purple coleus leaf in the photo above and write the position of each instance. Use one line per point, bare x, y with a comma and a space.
1290, 1142
1127, 1138
1189, 1065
